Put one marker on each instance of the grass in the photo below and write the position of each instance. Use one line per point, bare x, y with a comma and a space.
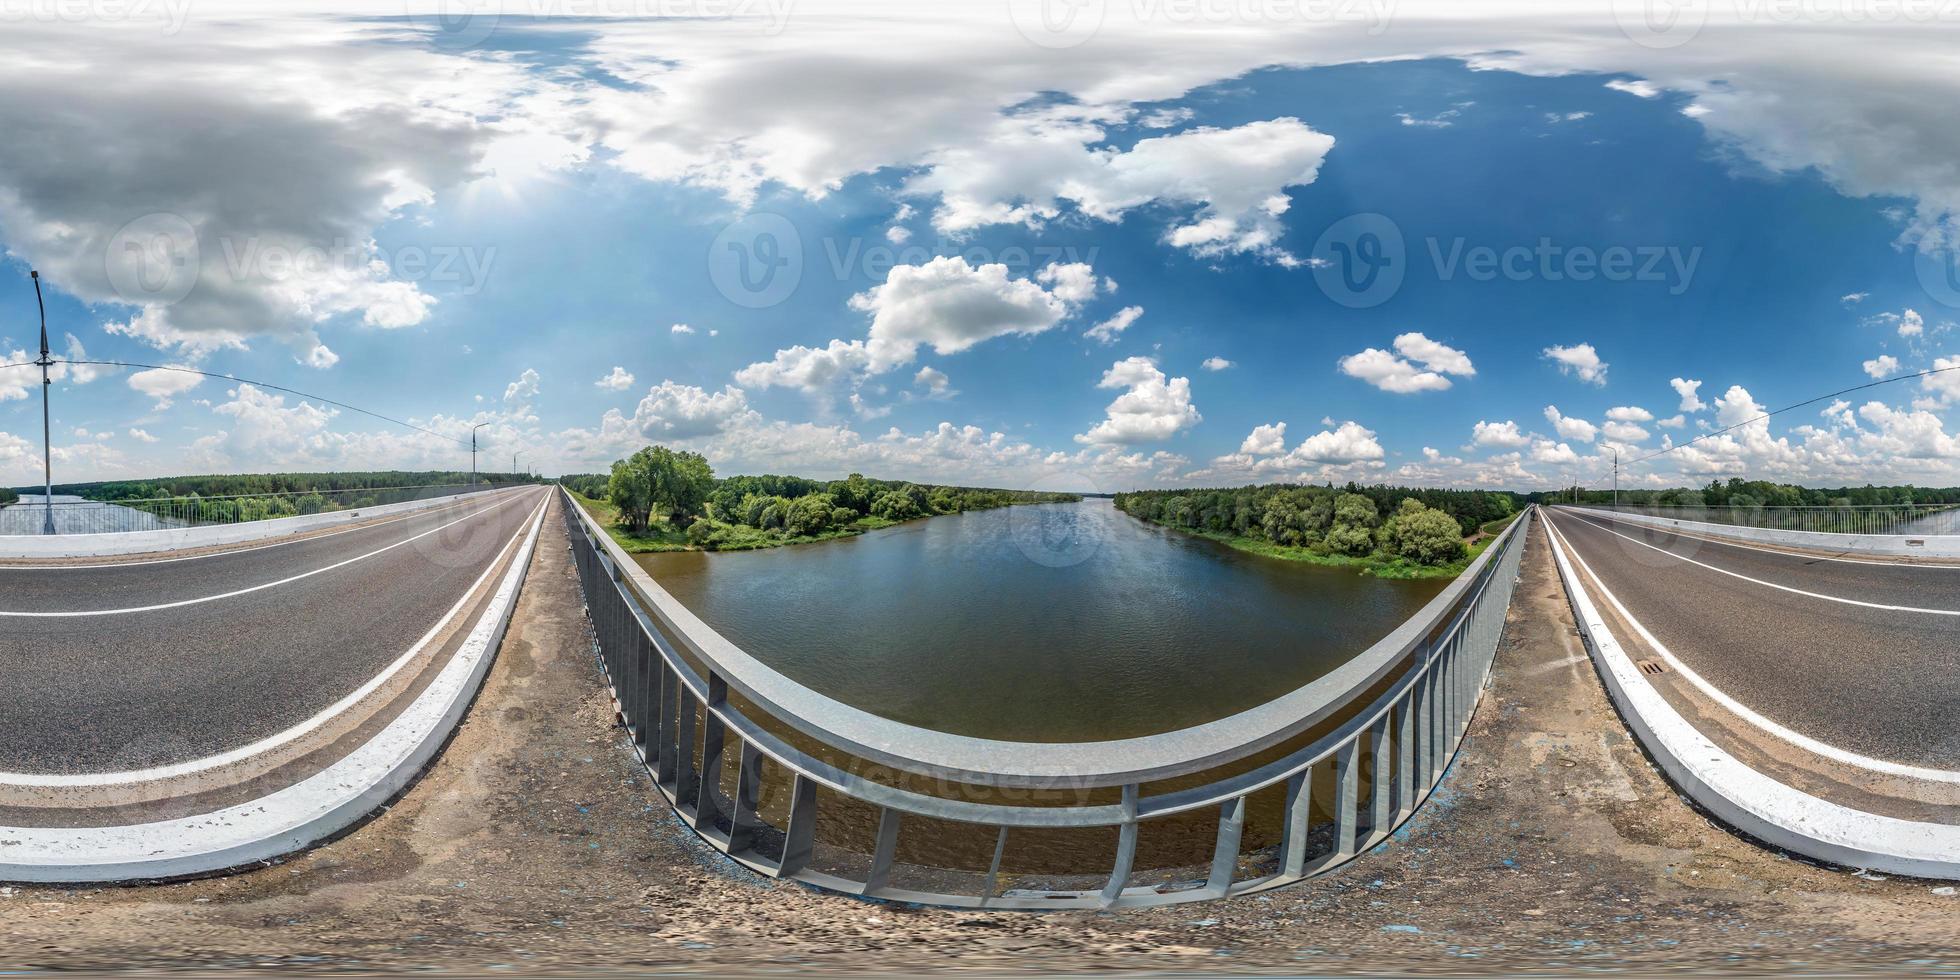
661, 536
1400, 569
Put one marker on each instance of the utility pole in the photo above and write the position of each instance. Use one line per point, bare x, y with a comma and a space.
1616, 479
473, 429
513, 463
47, 449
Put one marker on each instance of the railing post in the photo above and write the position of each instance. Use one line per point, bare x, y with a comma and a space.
1225, 853
1347, 808
799, 837
1381, 793
1405, 752
1126, 849
885, 853
1299, 823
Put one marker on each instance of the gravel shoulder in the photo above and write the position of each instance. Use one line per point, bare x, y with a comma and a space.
535, 845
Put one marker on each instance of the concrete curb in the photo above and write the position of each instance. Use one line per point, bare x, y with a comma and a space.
1889, 545
176, 539
1740, 796
297, 817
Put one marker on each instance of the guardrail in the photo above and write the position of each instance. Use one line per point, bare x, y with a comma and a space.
1902, 519
755, 762
33, 514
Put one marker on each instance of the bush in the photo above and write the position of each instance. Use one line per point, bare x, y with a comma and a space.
1423, 534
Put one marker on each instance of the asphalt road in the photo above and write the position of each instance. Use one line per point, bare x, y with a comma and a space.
1878, 681
126, 664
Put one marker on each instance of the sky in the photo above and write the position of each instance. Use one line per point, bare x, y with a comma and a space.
1079, 244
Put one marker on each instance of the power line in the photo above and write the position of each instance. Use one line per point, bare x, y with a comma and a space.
265, 384
1787, 408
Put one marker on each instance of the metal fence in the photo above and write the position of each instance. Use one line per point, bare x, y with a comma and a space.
1902, 519
34, 514
795, 785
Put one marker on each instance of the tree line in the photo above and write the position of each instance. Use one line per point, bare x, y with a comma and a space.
236, 484
7, 496
1425, 527
680, 489
1737, 492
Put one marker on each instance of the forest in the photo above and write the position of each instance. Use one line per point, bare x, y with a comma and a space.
1737, 492
258, 496
7, 496
660, 499
1393, 531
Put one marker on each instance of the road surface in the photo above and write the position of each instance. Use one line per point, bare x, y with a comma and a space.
1858, 654
123, 664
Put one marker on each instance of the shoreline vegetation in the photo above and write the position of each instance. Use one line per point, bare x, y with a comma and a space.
1426, 534
661, 500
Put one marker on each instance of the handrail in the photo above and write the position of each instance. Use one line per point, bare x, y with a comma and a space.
1386, 756
1038, 765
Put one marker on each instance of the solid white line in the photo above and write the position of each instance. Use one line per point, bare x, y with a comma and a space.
1746, 713
73, 614
1785, 588
271, 742
240, 551
1730, 543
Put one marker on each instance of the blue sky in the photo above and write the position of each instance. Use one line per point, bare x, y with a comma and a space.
529, 224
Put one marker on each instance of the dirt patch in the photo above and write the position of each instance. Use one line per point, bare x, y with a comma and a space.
534, 844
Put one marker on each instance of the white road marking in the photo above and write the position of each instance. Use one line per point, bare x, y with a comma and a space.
234, 551
1743, 711
292, 734
78, 613
1729, 543
1785, 588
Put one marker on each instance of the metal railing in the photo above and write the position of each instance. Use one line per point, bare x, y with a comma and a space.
1901, 519
756, 763
75, 515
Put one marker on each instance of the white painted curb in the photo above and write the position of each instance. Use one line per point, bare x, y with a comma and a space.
1742, 797
1891, 545
293, 818
207, 535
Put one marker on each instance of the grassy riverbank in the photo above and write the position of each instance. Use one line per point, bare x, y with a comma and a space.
661, 536
1400, 569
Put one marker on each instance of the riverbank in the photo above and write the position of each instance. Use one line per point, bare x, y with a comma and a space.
1398, 569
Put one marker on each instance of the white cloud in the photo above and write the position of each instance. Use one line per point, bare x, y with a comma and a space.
1348, 443
141, 435
1580, 360
1882, 365
1107, 331
1215, 363
1851, 298
1911, 324
808, 368
1154, 406
936, 383
1231, 182
1265, 440
521, 395
1636, 86
1672, 422
1501, 435
1394, 372
1070, 282
1570, 428
164, 385
1629, 413
1625, 432
680, 329
618, 380
1690, 394
897, 235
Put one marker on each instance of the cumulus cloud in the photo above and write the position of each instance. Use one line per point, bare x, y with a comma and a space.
680, 330
521, 395
1625, 432
1882, 365
1580, 360
935, 382
1570, 428
1265, 440
1629, 413
141, 435
1398, 372
164, 385
1215, 363
1152, 407
1690, 394
618, 380
1500, 435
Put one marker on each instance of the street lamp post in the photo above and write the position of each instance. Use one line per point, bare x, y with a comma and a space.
513, 462
47, 448
473, 429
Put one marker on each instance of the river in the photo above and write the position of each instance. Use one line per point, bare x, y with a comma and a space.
1054, 622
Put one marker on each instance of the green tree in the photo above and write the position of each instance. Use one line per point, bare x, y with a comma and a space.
660, 478
1422, 534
